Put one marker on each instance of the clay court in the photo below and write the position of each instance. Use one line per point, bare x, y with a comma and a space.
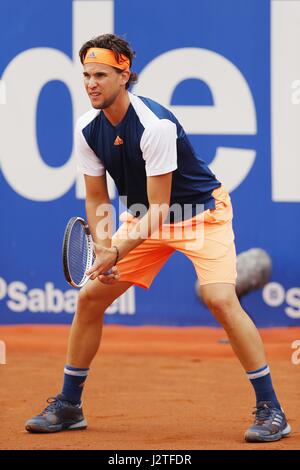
149, 388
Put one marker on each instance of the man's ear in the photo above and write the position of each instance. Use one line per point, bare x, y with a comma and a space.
125, 76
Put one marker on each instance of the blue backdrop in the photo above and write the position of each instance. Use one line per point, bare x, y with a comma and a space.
210, 60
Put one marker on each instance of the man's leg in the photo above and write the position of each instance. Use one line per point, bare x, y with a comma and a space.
65, 410
85, 335
245, 340
270, 423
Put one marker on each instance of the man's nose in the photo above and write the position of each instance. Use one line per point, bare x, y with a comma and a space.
92, 83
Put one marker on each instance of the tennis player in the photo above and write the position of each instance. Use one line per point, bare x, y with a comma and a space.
147, 153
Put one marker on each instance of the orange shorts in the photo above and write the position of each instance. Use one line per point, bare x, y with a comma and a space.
207, 240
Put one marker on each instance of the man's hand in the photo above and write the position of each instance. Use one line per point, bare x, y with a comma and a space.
105, 260
110, 278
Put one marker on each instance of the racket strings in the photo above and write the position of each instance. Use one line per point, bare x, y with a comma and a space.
78, 253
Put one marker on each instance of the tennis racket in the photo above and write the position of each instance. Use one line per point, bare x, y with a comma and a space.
77, 252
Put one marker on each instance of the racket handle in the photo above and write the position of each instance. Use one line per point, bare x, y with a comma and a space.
108, 272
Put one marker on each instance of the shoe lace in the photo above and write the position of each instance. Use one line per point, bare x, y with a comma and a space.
54, 404
262, 413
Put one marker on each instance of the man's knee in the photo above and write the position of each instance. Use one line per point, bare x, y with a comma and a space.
86, 298
95, 297
89, 305
218, 303
222, 304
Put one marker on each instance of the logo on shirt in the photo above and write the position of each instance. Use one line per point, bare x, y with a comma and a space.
118, 141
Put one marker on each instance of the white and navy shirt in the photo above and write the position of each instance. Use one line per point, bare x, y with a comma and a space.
149, 141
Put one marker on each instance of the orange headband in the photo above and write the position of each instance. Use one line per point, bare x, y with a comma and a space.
107, 57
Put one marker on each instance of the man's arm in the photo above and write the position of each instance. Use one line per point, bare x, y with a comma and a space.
159, 192
100, 219
97, 204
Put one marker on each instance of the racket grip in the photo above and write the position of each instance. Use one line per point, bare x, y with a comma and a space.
108, 272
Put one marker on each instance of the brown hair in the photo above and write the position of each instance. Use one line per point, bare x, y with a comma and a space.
115, 43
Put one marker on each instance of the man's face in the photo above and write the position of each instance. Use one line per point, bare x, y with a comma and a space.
103, 84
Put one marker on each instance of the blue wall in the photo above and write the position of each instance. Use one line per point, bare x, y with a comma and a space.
234, 36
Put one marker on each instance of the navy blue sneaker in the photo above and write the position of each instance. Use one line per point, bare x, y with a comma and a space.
59, 415
270, 424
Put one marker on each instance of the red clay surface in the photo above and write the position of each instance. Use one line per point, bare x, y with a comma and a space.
149, 388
